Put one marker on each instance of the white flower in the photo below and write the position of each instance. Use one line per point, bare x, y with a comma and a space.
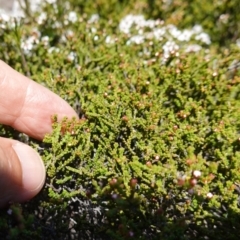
109, 40
4, 17
185, 35
65, 22
139, 21
93, 30
150, 23
69, 33
209, 195
170, 46
127, 22
57, 24
28, 44
7, 20
71, 56
197, 29
196, 173
203, 37
42, 18
159, 33
72, 16
45, 40
154, 30
173, 31
224, 18
140, 31
93, 18
138, 39
193, 48
63, 38
53, 49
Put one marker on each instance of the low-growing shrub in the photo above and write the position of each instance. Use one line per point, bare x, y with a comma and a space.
155, 151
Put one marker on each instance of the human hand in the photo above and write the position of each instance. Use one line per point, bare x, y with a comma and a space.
27, 107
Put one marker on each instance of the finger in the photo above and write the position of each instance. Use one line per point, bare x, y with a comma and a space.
22, 172
28, 106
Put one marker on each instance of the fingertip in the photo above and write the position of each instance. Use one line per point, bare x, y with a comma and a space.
32, 106
33, 170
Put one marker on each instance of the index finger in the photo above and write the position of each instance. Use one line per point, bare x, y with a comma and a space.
28, 106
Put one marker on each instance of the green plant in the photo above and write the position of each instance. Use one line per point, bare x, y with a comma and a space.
155, 153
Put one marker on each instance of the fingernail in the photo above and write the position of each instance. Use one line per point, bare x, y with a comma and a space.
33, 170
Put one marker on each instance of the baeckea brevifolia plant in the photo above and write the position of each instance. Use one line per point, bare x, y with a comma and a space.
155, 153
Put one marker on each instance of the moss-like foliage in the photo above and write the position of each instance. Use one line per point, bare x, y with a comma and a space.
155, 151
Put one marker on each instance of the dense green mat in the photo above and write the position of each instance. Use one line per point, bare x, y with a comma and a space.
156, 152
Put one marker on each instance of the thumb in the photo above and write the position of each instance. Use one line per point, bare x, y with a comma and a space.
22, 172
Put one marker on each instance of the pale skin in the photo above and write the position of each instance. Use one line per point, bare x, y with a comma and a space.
27, 107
